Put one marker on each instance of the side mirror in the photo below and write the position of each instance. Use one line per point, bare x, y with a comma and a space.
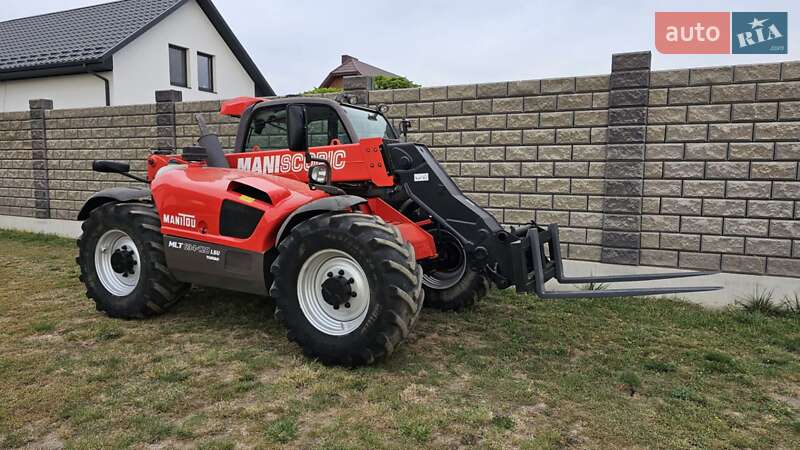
111, 167
298, 132
115, 167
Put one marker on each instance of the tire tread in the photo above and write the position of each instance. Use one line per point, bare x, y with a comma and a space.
400, 272
161, 289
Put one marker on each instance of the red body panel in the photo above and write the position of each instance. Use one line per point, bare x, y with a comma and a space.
350, 162
421, 240
189, 200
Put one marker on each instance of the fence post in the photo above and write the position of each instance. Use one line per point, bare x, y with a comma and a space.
41, 180
358, 86
625, 152
165, 117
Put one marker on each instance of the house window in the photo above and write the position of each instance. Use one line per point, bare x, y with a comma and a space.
177, 67
205, 72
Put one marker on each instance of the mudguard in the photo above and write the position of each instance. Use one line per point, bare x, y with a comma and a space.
115, 194
335, 203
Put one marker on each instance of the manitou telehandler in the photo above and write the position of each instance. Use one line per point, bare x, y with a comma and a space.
325, 209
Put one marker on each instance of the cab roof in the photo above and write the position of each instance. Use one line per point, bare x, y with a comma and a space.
235, 107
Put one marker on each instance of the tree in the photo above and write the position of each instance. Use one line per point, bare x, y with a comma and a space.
383, 82
322, 90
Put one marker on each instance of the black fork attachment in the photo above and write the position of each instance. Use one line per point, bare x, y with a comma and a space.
537, 259
526, 258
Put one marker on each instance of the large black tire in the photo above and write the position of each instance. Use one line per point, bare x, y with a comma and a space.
450, 284
472, 287
389, 269
156, 290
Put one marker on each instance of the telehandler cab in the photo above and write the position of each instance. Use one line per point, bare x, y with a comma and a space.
322, 207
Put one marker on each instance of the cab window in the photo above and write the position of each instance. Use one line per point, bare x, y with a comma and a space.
324, 126
268, 130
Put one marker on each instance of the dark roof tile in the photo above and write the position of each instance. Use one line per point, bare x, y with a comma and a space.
75, 36
91, 34
352, 66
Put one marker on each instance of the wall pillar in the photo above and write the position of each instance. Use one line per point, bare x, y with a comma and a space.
41, 180
625, 153
165, 118
359, 86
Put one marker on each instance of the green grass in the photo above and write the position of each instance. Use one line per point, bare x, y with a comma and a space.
513, 372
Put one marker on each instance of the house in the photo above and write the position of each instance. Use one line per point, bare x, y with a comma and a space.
120, 53
351, 66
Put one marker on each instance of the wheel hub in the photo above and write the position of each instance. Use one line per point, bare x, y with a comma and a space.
333, 292
123, 261
336, 290
117, 262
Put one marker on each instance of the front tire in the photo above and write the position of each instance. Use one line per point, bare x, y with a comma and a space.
347, 287
122, 262
450, 284
472, 287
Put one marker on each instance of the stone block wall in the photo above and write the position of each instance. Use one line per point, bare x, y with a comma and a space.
76, 137
187, 131
691, 168
721, 188
525, 150
16, 165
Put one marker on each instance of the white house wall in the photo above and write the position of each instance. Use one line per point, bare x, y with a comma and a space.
66, 91
142, 67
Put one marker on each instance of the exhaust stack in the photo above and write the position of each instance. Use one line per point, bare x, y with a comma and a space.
210, 141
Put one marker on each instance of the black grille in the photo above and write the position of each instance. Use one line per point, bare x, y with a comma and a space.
238, 220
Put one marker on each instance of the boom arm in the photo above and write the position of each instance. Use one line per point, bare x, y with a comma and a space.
526, 258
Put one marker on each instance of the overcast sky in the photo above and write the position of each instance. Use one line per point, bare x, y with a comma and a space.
296, 43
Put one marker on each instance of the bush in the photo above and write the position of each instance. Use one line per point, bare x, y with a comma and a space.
792, 304
282, 430
382, 82
322, 90
630, 382
760, 301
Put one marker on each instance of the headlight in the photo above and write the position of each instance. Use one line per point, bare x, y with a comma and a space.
319, 174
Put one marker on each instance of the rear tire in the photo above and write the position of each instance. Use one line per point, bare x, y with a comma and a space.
122, 262
347, 287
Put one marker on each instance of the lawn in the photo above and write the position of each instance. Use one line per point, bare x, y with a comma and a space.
514, 372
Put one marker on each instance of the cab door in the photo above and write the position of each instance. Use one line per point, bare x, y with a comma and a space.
266, 142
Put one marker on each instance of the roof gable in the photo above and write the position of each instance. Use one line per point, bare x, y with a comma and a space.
351, 66
82, 39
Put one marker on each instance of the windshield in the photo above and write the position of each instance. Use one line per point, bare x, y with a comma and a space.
368, 123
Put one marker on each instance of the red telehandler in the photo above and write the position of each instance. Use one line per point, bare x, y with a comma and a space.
322, 207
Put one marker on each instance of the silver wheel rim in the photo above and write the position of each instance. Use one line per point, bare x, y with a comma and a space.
118, 284
321, 314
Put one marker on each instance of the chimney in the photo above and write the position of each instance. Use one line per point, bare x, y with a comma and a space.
347, 58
